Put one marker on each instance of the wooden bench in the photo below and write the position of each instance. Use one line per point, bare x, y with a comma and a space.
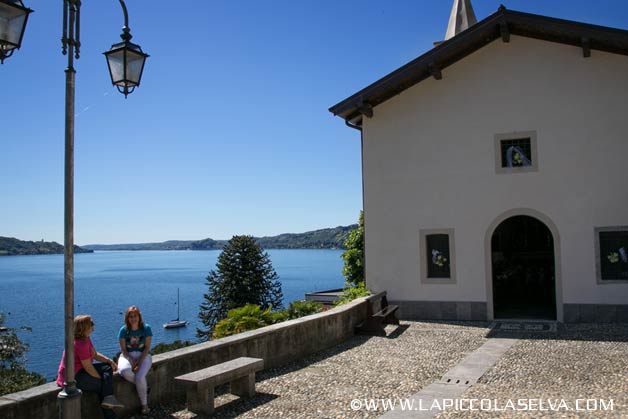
239, 372
378, 317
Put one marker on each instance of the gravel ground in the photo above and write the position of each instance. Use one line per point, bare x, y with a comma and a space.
575, 362
323, 385
584, 361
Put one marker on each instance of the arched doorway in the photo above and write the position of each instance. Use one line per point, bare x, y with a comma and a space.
524, 280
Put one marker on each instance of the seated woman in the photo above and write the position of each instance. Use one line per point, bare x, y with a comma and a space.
97, 378
135, 360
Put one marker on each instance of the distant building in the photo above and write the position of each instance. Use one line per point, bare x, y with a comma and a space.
496, 172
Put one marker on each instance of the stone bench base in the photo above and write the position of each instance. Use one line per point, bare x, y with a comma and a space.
239, 373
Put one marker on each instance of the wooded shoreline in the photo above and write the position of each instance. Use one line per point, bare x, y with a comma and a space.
327, 238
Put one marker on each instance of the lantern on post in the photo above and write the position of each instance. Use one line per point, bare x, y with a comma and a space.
126, 63
13, 17
126, 60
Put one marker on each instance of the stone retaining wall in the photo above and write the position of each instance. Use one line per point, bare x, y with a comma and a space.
278, 344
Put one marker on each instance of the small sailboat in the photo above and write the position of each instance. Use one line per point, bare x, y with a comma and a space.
173, 324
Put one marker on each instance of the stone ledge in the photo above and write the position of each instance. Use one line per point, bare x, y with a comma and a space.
277, 344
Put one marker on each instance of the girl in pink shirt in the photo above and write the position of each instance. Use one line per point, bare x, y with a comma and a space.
92, 377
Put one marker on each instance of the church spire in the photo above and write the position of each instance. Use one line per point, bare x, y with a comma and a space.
462, 17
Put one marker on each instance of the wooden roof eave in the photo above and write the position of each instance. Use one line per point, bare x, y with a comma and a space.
568, 32
500, 24
418, 69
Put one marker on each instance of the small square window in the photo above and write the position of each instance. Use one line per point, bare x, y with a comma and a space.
437, 256
611, 254
516, 152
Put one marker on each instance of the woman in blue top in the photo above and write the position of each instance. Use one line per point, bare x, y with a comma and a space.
135, 360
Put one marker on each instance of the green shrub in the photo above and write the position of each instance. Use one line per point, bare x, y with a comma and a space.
167, 347
249, 317
298, 309
18, 379
351, 293
13, 373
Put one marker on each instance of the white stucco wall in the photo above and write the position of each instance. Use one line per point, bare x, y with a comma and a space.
429, 163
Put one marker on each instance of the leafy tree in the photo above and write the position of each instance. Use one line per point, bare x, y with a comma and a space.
353, 257
351, 293
13, 374
244, 275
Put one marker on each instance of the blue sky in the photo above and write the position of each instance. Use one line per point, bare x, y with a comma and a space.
229, 132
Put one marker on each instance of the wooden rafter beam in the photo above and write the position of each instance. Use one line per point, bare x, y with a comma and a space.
435, 71
364, 108
504, 31
586, 47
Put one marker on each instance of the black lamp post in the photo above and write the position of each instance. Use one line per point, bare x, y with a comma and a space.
126, 62
13, 17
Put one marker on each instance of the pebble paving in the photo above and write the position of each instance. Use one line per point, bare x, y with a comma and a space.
583, 361
364, 367
576, 361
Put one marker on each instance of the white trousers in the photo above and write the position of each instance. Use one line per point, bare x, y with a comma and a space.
139, 378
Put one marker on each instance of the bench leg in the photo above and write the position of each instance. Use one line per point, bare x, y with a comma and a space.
392, 319
379, 330
244, 387
201, 399
372, 326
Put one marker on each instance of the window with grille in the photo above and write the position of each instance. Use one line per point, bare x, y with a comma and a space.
516, 152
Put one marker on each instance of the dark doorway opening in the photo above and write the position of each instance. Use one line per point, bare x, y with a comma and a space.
524, 283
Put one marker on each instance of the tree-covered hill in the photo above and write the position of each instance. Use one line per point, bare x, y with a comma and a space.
167, 245
326, 238
11, 246
208, 244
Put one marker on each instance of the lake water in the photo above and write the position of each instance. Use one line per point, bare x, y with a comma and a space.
106, 283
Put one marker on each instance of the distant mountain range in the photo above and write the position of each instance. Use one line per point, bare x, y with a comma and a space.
11, 246
327, 238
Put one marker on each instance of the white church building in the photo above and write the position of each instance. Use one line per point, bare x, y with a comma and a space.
495, 172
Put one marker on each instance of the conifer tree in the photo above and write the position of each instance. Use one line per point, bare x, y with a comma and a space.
244, 275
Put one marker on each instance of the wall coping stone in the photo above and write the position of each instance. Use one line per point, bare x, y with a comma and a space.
42, 400
256, 333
